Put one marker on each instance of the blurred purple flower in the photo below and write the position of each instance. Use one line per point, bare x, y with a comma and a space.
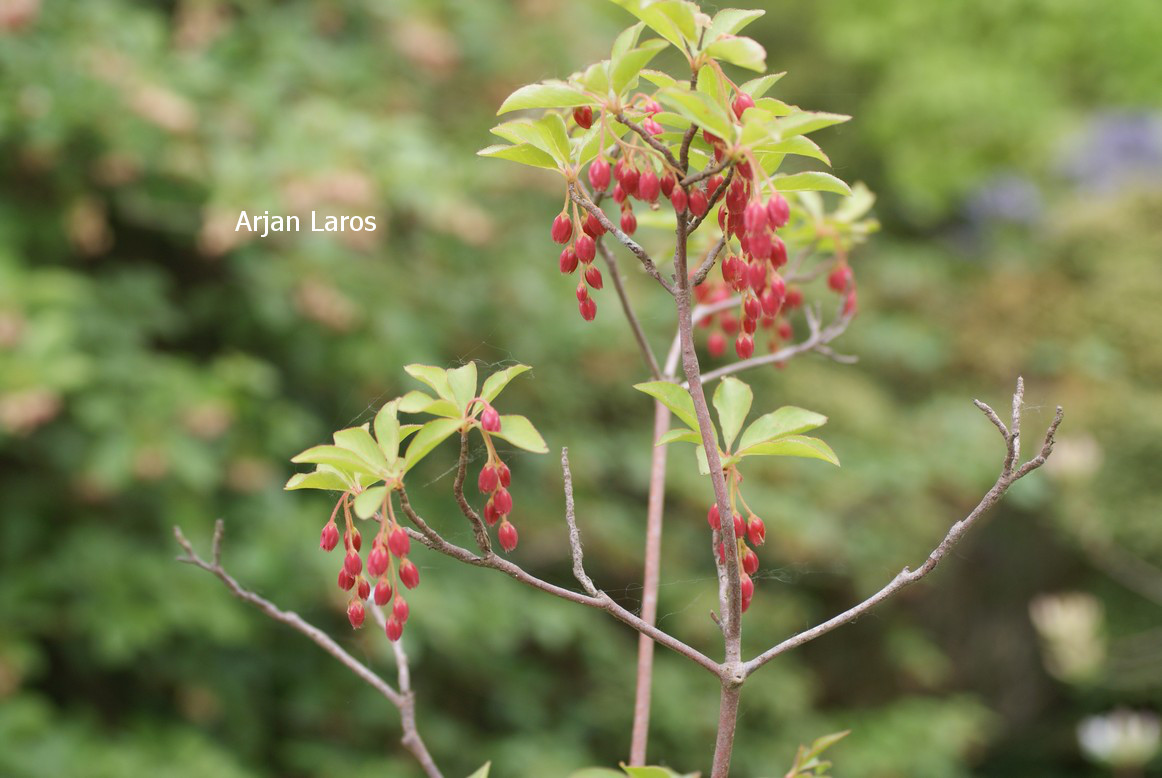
1116, 150
1005, 198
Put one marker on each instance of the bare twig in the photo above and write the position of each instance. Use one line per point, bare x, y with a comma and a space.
639, 334
1009, 475
705, 173
574, 534
483, 542
403, 699
708, 263
653, 142
643, 256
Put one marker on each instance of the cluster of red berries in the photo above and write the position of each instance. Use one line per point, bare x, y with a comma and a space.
391, 543
493, 481
751, 528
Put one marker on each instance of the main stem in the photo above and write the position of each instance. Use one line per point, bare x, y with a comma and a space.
649, 614
732, 673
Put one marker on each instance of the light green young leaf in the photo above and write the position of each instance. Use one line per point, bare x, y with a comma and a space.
729, 21
549, 94
825, 742
773, 107
788, 420
800, 145
359, 440
482, 772
462, 381
553, 127
684, 436
658, 78
757, 87
703, 462
327, 480
651, 772
596, 77
812, 181
342, 459
524, 153
732, 400
434, 377
855, 207
793, 446
369, 501
744, 52
626, 40
520, 432
710, 84
803, 122
624, 70
672, 19
812, 203
416, 401
495, 383
597, 772
547, 134
387, 431
429, 436
699, 109
673, 397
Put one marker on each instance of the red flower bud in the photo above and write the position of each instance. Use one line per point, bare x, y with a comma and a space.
619, 194
503, 501
355, 613
756, 530
593, 226
353, 564
507, 536
382, 592
504, 473
750, 562
629, 181
488, 480
839, 278
710, 137
582, 292
716, 344
652, 126
346, 580
648, 186
353, 539
585, 247
667, 184
409, 574
363, 588
490, 514
712, 517
747, 586
778, 253
698, 203
749, 325
741, 103
593, 276
729, 324
588, 309
400, 610
755, 217
490, 419
568, 261
329, 538
744, 346
756, 274
794, 298
399, 542
583, 115
736, 197
713, 183
778, 210
678, 199
377, 561
628, 222
562, 228
784, 330
394, 630
739, 526
599, 174
752, 307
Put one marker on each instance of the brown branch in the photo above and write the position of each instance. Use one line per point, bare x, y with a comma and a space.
705, 173
643, 256
654, 143
478, 528
639, 334
708, 263
403, 699
1009, 475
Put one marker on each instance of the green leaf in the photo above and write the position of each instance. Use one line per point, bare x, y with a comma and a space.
434, 377
359, 440
597, 772
788, 420
520, 432
729, 21
430, 435
825, 742
387, 431
651, 772
744, 52
495, 383
626, 40
416, 401
684, 436
856, 206
342, 459
811, 181
699, 109
804, 122
757, 87
793, 446
801, 145
710, 84
773, 107
549, 94
482, 772
596, 77
672, 19
673, 397
732, 400
462, 381
369, 501
553, 127
523, 153
625, 69
327, 480
658, 78
547, 134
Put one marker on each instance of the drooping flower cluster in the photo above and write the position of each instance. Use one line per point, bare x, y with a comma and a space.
493, 481
750, 529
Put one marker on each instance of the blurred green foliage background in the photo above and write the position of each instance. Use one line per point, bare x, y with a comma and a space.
158, 368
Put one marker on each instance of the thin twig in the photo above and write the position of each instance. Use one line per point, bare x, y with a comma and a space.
575, 534
708, 263
639, 334
483, 542
654, 143
1009, 475
403, 699
642, 255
